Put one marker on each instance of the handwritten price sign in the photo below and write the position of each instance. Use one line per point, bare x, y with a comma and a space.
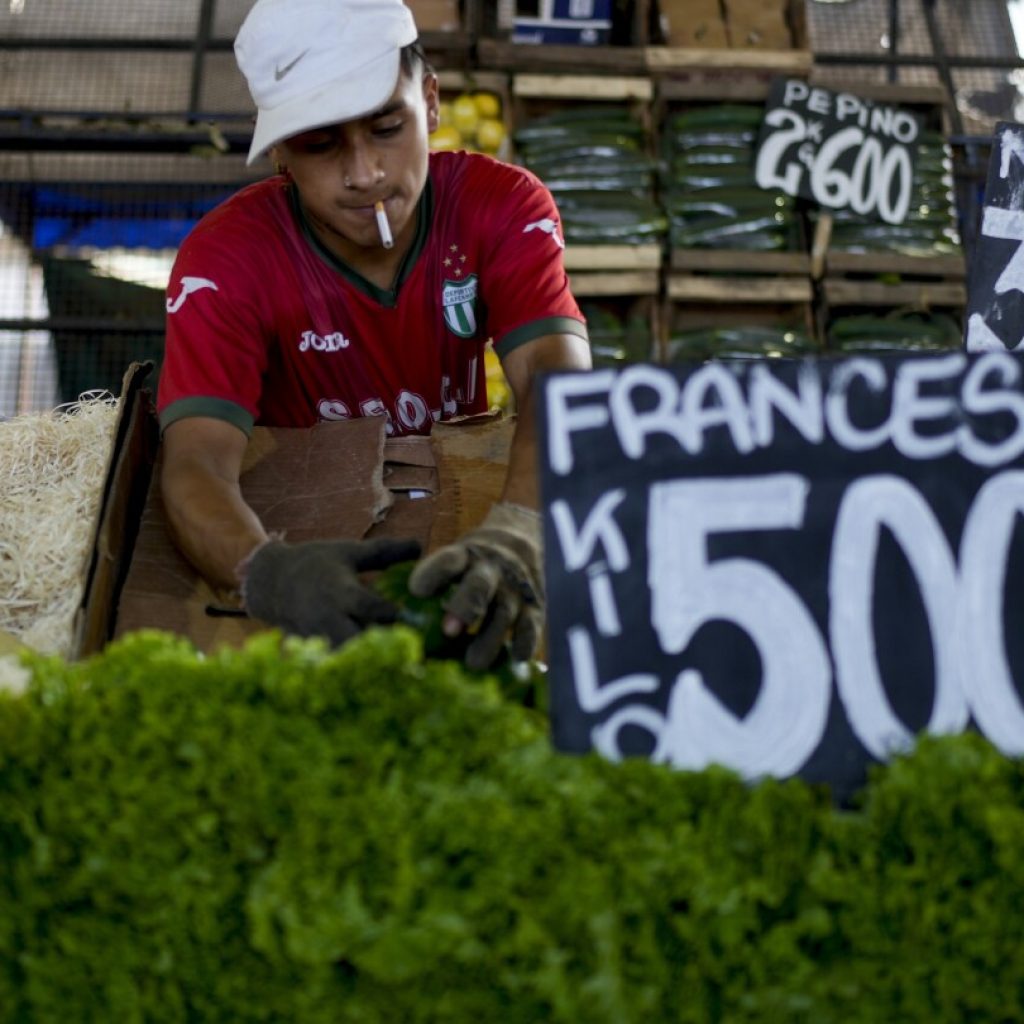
840, 151
786, 568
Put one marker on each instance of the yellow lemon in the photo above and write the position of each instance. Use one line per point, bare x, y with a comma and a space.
445, 112
446, 137
498, 392
464, 115
490, 134
487, 104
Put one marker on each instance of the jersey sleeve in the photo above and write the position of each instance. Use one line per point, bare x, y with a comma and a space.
215, 351
525, 288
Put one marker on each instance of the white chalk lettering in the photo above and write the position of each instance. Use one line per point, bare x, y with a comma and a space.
789, 715
803, 410
712, 398
591, 695
867, 506
819, 101
977, 400
920, 415
564, 419
578, 546
909, 406
633, 424
602, 600
795, 92
837, 402
984, 549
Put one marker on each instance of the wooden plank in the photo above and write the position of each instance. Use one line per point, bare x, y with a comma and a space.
894, 263
612, 257
585, 87
882, 92
452, 80
731, 260
739, 289
842, 292
499, 54
676, 58
718, 85
819, 247
634, 282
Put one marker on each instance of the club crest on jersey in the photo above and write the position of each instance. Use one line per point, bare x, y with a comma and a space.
459, 301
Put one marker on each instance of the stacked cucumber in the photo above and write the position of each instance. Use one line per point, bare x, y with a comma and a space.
708, 186
739, 342
898, 331
930, 227
592, 157
615, 339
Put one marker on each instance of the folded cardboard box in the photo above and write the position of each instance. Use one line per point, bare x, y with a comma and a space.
693, 24
342, 480
436, 15
762, 24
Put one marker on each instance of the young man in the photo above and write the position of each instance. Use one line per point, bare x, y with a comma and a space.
363, 279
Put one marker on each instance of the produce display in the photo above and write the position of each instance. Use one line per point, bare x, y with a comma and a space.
708, 187
897, 331
739, 342
471, 121
285, 833
617, 339
593, 159
930, 228
53, 466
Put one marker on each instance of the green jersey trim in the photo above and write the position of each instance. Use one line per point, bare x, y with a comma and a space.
537, 329
213, 408
387, 297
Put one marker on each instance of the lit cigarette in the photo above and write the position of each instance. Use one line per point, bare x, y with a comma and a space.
383, 226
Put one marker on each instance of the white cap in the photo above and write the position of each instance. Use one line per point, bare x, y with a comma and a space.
311, 63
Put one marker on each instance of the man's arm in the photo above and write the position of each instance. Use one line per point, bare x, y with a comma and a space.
521, 366
498, 567
211, 523
312, 588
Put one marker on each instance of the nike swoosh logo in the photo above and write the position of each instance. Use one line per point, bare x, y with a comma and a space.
279, 73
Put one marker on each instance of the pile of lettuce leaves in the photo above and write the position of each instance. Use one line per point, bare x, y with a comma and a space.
288, 833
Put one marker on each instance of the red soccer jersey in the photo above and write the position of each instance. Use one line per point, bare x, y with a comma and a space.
265, 326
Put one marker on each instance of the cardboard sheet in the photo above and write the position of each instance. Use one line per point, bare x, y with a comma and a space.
472, 459
321, 483
335, 480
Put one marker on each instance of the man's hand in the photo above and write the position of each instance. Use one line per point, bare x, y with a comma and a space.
500, 589
313, 589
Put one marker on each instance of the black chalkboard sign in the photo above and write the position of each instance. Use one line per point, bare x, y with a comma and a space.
838, 150
995, 290
786, 567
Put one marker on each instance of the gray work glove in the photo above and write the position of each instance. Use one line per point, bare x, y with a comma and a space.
314, 589
498, 569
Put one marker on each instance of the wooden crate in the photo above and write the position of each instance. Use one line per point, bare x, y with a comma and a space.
607, 270
695, 90
597, 270
627, 307
794, 60
680, 316
850, 276
703, 301
536, 94
731, 290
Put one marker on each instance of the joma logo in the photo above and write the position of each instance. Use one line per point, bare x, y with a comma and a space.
332, 342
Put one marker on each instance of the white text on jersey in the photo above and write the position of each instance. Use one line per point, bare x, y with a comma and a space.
333, 342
